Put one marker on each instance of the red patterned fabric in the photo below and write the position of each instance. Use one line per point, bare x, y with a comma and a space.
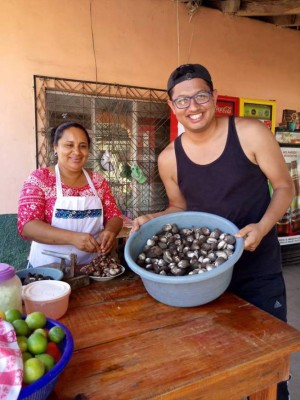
11, 365
38, 197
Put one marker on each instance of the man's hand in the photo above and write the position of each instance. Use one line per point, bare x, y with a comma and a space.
252, 235
139, 221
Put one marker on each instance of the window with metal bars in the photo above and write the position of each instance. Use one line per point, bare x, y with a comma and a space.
129, 126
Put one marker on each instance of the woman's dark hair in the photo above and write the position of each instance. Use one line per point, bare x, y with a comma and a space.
57, 132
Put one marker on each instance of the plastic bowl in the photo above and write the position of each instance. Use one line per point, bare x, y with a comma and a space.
49, 297
42, 388
189, 290
56, 274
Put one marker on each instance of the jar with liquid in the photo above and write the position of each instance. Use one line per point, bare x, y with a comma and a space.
10, 288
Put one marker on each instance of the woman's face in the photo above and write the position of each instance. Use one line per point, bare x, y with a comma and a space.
72, 149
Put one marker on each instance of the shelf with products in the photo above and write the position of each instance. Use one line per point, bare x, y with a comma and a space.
289, 225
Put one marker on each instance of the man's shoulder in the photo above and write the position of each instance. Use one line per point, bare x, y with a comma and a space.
246, 122
169, 148
167, 153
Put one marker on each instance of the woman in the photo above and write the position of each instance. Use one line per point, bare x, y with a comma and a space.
65, 208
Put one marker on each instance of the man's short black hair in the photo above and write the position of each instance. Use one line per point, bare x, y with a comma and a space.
188, 71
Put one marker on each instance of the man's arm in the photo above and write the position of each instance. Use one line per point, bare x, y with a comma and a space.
262, 149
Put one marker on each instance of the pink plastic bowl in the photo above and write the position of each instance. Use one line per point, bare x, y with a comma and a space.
49, 297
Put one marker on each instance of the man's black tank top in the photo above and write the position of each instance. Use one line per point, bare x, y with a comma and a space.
234, 188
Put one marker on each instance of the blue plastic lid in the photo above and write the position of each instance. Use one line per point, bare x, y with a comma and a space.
6, 272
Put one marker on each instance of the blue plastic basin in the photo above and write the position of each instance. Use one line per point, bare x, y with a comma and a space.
41, 389
189, 290
55, 273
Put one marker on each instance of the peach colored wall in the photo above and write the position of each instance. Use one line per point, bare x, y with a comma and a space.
136, 44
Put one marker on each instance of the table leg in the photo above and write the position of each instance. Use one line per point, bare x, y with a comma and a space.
267, 394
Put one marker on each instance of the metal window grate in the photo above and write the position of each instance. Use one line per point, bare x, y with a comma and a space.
129, 126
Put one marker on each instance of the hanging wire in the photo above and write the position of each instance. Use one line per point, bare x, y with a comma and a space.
93, 41
191, 42
178, 36
192, 8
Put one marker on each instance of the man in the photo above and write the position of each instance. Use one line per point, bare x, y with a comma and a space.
222, 166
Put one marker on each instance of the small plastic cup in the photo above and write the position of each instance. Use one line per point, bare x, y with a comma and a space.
49, 297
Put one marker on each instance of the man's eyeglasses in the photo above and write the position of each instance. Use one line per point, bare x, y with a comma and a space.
200, 98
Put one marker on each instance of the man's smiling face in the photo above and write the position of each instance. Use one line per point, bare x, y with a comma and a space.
195, 117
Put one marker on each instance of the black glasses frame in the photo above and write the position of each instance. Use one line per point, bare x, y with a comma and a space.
209, 92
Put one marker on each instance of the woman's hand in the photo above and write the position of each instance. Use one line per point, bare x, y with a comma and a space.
85, 242
106, 241
107, 237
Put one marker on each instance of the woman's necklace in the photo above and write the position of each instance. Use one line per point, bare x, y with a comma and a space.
77, 181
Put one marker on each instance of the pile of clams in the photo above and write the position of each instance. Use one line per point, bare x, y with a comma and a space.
34, 278
186, 251
102, 266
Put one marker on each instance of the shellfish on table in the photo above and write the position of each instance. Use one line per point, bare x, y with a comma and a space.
186, 251
104, 266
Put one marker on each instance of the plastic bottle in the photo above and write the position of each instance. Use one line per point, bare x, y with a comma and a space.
295, 206
10, 288
284, 224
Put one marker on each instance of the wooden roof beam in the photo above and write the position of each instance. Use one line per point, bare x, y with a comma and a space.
268, 7
226, 6
285, 20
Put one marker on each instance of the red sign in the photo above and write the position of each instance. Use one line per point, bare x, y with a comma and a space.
223, 108
227, 106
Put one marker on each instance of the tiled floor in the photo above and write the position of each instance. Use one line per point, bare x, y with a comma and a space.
292, 281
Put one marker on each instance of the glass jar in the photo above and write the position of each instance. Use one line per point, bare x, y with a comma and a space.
10, 288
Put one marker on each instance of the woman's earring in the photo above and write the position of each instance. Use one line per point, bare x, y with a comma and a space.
55, 154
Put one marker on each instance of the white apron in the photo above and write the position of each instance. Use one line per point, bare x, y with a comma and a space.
75, 213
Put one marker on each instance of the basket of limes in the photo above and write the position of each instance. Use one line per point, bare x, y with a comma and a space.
47, 346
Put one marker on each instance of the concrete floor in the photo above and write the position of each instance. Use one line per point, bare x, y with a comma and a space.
292, 281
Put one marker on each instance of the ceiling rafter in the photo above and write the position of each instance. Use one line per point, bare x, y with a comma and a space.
283, 13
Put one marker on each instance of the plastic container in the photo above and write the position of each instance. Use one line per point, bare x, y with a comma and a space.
55, 273
10, 288
49, 297
189, 290
41, 389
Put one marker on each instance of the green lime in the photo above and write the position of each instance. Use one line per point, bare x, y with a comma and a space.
37, 343
13, 314
56, 334
22, 342
21, 327
36, 320
48, 360
41, 331
33, 370
2, 315
26, 355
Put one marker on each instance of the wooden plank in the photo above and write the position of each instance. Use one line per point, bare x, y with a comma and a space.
151, 365
286, 20
251, 8
129, 346
267, 394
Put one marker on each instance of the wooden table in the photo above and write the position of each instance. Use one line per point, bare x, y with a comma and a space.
128, 346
